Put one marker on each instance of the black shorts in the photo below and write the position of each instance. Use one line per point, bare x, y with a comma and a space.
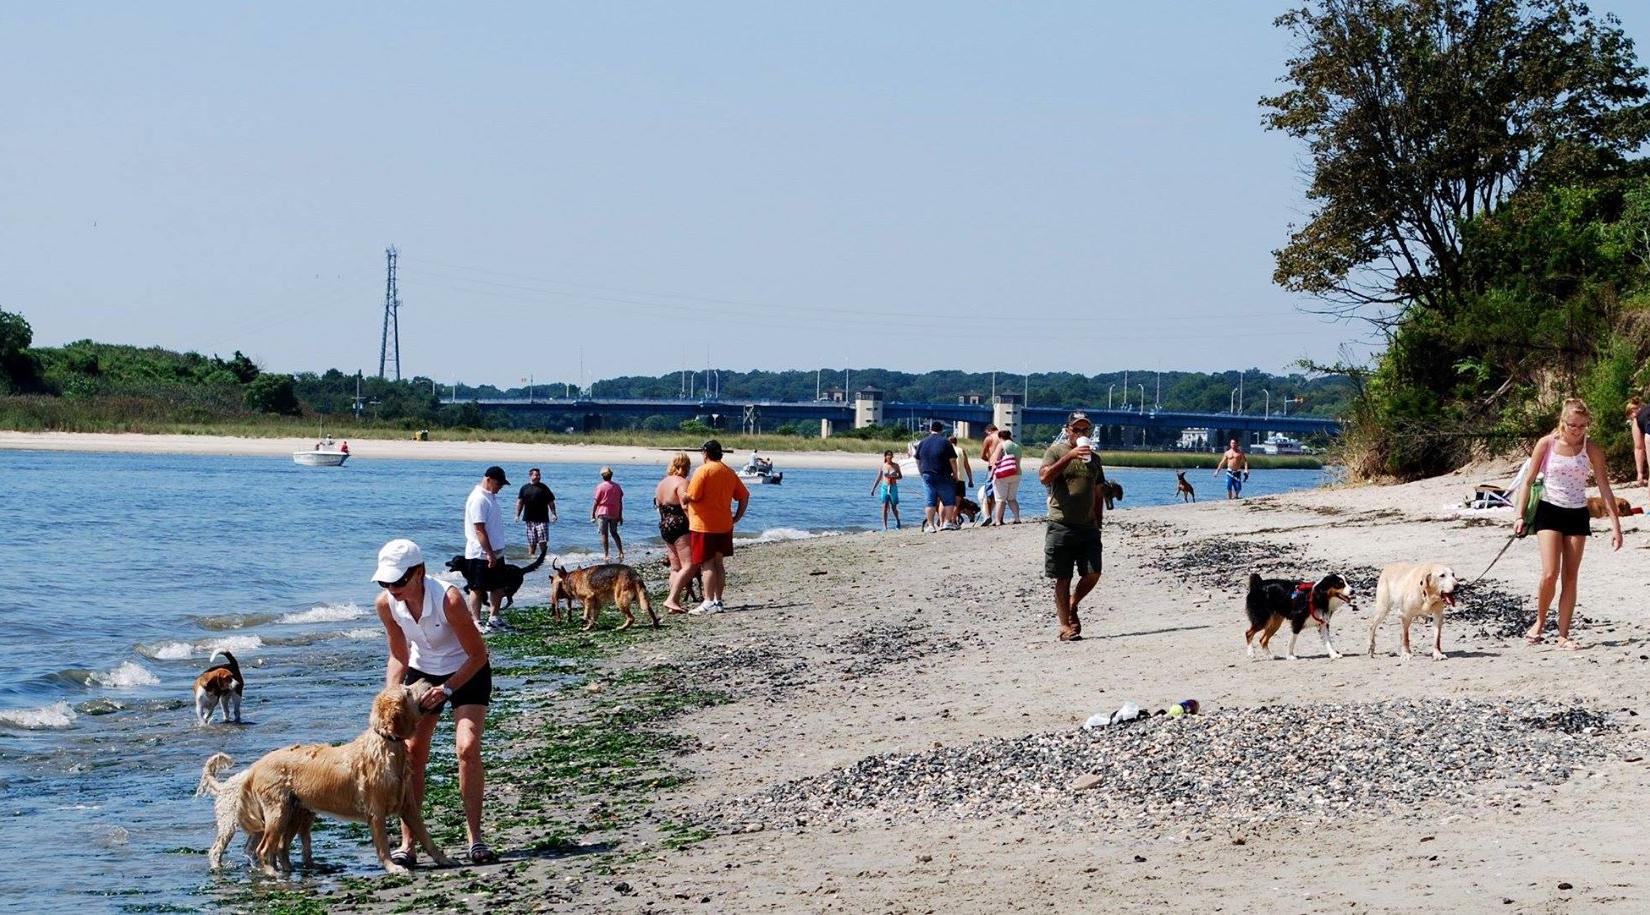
475, 574
1571, 522
478, 690
1067, 547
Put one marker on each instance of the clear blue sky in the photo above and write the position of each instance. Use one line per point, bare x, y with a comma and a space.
1058, 186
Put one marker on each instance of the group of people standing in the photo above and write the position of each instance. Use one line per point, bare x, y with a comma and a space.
948, 474
434, 631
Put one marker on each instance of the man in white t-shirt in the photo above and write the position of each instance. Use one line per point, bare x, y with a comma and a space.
484, 542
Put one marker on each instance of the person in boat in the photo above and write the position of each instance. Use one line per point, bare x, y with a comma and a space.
344, 448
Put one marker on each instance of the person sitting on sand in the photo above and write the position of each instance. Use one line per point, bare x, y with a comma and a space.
1564, 458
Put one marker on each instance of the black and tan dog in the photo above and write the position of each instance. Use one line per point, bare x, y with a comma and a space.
968, 508
595, 586
1272, 600
219, 685
1111, 491
504, 577
1183, 489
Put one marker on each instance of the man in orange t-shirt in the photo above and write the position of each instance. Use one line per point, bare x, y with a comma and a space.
715, 499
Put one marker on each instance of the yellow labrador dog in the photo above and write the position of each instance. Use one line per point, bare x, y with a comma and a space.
1414, 589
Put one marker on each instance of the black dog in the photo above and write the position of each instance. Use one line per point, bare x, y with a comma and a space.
1273, 600
1111, 491
502, 577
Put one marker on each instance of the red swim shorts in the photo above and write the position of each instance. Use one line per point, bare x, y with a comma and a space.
705, 545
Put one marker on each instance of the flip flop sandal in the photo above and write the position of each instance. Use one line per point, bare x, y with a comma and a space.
404, 857
1568, 644
481, 854
1533, 639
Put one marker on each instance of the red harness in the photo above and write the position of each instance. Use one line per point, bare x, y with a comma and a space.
1305, 588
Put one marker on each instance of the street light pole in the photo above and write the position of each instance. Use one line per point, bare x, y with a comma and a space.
1109, 388
1268, 394
1231, 402
1142, 397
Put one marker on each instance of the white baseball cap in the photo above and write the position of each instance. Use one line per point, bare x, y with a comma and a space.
396, 558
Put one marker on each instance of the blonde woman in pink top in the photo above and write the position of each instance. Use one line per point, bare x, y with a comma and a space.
1564, 458
608, 512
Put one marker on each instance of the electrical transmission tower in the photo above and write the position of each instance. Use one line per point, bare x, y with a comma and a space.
389, 344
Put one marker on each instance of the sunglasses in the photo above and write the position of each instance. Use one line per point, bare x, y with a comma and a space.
398, 582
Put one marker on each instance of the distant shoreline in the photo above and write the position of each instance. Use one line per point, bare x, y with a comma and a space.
367, 449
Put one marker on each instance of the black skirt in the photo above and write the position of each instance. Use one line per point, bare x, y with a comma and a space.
1571, 522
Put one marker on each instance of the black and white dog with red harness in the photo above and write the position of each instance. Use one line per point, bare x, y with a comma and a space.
1271, 601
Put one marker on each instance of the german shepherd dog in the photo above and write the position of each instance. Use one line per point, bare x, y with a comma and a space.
597, 585
1184, 489
1272, 600
502, 577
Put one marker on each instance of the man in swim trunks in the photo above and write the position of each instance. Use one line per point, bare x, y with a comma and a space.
1236, 464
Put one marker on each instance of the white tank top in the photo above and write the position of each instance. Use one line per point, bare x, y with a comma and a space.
1566, 477
432, 646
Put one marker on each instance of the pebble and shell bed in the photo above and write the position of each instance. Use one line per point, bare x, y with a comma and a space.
1232, 767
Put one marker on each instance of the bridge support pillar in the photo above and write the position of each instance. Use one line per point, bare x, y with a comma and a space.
1007, 412
867, 407
824, 427
964, 429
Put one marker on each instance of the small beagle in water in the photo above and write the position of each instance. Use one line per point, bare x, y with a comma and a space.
219, 685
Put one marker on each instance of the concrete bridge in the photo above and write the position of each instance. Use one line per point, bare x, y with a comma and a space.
868, 408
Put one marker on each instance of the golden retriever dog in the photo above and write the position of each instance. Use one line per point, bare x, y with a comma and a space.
365, 779
597, 585
230, 813
1414, 589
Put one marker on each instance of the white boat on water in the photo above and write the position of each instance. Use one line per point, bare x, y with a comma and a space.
1279, 443
326, 453
760, 470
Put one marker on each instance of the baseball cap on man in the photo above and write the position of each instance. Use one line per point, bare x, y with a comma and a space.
396, 558
1078, 416
712, 449
496, 472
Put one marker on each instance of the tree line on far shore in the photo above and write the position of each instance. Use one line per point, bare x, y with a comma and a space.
91, 386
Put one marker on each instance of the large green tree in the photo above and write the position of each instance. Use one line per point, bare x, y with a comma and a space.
19, 368
1421, 115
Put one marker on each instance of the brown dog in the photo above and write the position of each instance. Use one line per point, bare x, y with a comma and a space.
597, 585
365, 779
1597, 509
1184, 489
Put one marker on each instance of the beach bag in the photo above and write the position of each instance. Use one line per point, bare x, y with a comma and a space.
1537, 488
1007, 466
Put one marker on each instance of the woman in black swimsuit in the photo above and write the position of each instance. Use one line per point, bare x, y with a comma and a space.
673, 520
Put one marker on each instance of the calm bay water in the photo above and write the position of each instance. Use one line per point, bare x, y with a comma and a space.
130, 570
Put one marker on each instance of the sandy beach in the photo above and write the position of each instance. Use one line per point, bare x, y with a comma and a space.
397, 449
902, 731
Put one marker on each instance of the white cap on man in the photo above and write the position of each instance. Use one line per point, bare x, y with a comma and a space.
396, 558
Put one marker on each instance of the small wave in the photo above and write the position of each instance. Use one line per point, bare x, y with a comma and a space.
326, 613
56, 716
126, 676
180, 651
777, 534
363, 633
227, 621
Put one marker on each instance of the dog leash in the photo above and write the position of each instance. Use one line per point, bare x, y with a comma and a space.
1494, 561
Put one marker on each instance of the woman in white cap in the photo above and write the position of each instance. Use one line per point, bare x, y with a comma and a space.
433, 637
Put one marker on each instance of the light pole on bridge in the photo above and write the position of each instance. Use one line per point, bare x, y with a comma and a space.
1110, 388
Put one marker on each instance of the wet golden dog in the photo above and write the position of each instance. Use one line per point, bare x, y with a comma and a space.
1414, 589
365, 779
230, 813
597, 585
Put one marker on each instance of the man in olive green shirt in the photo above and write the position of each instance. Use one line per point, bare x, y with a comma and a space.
1074, 478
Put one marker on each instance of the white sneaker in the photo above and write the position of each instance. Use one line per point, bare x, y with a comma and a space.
704, 608
716, 606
